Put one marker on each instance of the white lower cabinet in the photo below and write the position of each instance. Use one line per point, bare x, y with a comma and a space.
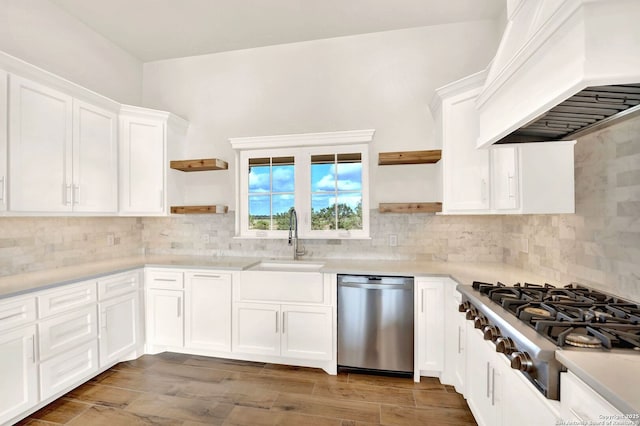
118, 328
294, 331
63, 332
430, 324
165, 319
208, 311
68, 368
582, 404
18, 372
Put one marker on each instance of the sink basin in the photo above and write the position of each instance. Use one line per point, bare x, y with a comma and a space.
287, 265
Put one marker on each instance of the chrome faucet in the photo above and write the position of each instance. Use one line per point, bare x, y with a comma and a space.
293, 234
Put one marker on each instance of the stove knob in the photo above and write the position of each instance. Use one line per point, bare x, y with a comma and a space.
522, 361
471, 314
491, 332
505, 345
464, 307
480, 322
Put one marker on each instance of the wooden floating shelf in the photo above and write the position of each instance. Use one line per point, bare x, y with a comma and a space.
200, 165
410, 207
199, 209
409, 157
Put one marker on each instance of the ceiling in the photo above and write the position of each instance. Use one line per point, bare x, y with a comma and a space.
161, 29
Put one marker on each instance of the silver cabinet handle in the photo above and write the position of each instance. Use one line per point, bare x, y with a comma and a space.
283, 321
488, 374
76, 194
459, 339
493, 386
32, 343
276, 322
206, 276
483, 190
179, 310
422, 300
169, 280
510, 185
2, 189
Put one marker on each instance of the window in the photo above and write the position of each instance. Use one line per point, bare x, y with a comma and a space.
326, 184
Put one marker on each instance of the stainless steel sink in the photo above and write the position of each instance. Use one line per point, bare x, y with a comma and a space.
287, 265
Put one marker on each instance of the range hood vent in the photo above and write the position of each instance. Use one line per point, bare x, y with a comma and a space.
589, 110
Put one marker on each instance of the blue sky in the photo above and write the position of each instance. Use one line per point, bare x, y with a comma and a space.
324, 182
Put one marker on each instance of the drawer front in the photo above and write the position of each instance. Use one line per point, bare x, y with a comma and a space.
16, 312
286, 287
169, 280
64, 332
116, 285
66, 298
68, 369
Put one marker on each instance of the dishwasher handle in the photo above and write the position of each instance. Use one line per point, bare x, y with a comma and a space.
376, 282
372, 286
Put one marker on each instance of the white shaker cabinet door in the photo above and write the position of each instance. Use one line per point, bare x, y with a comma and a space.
40, 135
306, 332
3, 139
256, 328
430, 324
19, 373
95, 167
165, 318
208, 311
118, 328
142, 145
465, 168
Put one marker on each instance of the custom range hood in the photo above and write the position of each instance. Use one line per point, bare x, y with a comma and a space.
563, 69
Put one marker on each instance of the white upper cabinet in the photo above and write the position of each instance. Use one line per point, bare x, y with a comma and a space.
63, 152
147, 139
505, 179
3, 140
40, 133
95, 159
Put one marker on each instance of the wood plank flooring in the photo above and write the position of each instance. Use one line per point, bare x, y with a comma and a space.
176, 389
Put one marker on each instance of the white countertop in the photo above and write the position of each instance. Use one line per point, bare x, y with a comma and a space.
614, 376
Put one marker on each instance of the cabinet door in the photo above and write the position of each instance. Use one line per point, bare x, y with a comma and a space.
118, 328
68, 369
19, 383
142, 166
465, 168
40, 132
306, 332
165, 321
480, 378
504, 178
95, 173
430, 325
64, 332
522, 404
208, 311
256, 328
3, 140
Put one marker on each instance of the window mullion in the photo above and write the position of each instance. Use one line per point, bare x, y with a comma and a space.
303, 191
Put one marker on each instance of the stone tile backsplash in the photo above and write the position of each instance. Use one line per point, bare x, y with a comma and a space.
598, 246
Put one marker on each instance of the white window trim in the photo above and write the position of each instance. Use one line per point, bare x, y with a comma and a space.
300, 146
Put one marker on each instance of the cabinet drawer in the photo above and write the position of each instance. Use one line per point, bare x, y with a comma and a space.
293, 287
15, 312
63, 332
66, 298
116, 285
158, 278
580, 402
68, 369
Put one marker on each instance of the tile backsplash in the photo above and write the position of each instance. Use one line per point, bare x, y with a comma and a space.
29, 244
598, 246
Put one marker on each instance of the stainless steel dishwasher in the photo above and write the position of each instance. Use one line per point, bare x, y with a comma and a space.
375, 323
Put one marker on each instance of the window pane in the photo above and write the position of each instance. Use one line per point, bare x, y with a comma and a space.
323, 216
259, 212
259, 178
283, 178
349, 176
280, 207
323, 177
350, 211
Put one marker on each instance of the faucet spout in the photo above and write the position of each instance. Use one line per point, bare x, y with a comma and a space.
293, 234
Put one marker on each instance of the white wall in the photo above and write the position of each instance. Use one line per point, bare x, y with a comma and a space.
43, 34
383, 81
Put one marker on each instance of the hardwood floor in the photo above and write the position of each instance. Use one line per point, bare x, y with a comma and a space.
176, 389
